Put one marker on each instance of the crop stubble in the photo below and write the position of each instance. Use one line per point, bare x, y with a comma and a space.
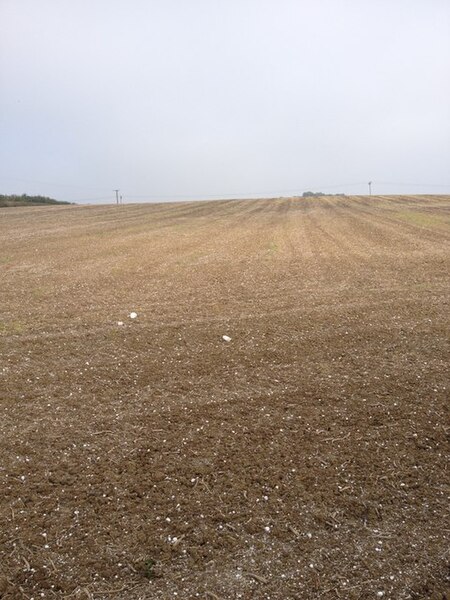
303, 459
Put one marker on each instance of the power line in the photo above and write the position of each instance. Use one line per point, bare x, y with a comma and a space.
244, 194
54, 183
233, 195
444, 185
90, 199
295, 191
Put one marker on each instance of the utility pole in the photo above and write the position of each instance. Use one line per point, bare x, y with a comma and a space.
117, 196
370, 188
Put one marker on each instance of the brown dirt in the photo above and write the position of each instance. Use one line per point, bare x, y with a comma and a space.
304, 459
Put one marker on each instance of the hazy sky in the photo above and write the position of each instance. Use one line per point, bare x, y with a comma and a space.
171, 99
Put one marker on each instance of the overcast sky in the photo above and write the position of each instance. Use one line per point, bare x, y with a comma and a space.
173, 99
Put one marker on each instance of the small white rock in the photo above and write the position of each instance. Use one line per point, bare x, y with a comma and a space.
226, 338
132, 315
119, 322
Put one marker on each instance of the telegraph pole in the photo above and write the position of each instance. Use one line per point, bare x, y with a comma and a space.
117, 196
370, 188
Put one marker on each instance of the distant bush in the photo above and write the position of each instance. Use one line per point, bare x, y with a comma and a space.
25, 200
312, 194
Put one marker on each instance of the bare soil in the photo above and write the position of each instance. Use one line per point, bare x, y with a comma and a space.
305, 458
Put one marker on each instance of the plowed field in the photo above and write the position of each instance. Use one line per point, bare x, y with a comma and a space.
150, 458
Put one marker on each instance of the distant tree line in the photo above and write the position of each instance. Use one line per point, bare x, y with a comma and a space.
25, 200
313, 194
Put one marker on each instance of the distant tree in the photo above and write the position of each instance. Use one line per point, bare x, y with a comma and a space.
312, 194
25, 200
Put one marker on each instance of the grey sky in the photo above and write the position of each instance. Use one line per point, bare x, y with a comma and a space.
171, 99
